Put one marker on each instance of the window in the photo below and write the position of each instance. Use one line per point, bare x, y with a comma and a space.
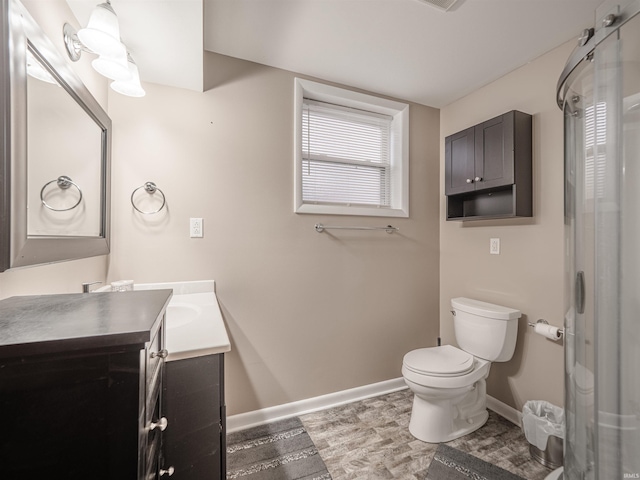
351, 152
595, 131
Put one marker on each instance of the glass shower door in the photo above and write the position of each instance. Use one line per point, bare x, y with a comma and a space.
602, 221
626, 345
579, 112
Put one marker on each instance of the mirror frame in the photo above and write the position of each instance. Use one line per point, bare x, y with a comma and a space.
17, 249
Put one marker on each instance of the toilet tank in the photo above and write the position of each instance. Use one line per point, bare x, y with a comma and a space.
485, 330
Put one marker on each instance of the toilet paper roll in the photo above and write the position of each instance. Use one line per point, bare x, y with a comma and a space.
548, 331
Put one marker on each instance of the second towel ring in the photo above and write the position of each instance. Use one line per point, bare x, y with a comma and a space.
63, 182
150, 188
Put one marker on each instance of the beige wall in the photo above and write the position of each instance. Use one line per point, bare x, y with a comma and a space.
528, 274
308, 313
62, 277
304, 310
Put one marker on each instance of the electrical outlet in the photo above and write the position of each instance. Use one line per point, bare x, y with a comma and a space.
196, 228
494, 246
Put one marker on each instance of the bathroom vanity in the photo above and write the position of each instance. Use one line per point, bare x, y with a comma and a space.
193, 385
114, 385
195, 444
81, 385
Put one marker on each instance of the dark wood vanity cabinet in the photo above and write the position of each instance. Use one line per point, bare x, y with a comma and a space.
488, 169
81, 386
194, 399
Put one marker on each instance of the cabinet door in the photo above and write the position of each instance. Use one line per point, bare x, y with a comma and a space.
494, 152
71, 416
193, 394
459, 162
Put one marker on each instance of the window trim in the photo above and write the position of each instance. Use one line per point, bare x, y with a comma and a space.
399, 144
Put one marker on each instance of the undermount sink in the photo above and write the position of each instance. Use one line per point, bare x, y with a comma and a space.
194, 322
180, 314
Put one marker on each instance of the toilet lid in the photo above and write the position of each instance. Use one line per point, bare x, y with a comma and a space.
446, 360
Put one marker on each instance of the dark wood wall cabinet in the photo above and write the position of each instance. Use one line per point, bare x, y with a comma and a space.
81, 386
488, 169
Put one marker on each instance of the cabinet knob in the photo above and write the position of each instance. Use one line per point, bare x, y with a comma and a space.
469, 180
162, 353
161, 424
478, 179
168, 472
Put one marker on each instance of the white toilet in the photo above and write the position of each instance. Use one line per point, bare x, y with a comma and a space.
449, 383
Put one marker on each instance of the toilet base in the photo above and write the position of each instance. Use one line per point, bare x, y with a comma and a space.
438, 421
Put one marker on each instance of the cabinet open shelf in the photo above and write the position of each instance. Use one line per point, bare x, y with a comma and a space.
500, 202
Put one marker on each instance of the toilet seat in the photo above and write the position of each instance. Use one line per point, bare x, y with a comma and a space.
444, 361
462, 378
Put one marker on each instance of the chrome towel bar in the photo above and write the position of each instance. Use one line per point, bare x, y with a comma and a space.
321, 228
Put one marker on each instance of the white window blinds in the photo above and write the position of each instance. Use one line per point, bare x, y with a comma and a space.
345, 155
595, 131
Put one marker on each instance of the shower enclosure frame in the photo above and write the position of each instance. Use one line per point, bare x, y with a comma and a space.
599, 93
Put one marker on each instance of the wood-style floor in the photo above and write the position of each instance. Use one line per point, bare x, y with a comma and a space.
370, 440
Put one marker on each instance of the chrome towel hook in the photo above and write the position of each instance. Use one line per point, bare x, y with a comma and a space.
63, 182
151, 189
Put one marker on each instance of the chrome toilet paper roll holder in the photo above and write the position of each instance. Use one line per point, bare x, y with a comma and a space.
542, 320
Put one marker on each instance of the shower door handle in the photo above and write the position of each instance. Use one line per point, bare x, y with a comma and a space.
580, 292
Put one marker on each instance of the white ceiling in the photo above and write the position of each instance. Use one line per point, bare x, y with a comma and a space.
401, 48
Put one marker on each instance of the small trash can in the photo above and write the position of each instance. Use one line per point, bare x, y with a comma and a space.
543, 425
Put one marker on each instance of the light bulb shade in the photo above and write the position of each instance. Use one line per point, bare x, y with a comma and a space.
36, 70
132, 87
102, 34
115, 68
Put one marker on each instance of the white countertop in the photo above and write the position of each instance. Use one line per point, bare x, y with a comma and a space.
204, 334
195, 326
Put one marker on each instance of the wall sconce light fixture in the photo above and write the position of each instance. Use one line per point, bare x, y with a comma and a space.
102, 37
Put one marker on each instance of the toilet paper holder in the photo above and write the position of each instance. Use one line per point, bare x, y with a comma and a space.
543, 321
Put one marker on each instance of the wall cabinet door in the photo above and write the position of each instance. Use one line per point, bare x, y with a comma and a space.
460, 162
494, 152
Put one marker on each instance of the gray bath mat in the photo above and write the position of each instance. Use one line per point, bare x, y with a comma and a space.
451, 464
281, 450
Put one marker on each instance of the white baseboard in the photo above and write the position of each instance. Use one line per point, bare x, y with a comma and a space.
241, 421
508, 412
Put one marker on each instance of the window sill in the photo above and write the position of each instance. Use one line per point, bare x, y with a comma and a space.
308, 208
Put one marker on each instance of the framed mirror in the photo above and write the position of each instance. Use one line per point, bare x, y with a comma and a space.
56, 148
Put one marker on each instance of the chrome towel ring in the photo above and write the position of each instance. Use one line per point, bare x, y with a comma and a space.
63, 182
150, 188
